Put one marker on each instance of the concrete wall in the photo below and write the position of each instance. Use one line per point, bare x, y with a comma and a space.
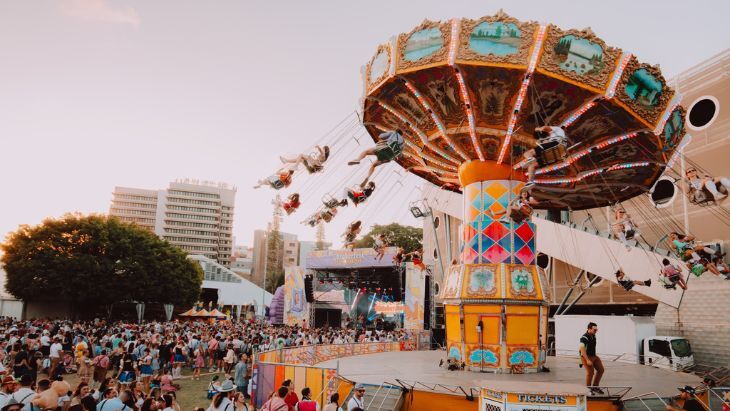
702, 318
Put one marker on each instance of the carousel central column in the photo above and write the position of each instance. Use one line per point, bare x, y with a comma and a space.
496, 313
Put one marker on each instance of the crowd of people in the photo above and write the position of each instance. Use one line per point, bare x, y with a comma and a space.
122, 366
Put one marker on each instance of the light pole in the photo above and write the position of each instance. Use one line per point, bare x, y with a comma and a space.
263, 287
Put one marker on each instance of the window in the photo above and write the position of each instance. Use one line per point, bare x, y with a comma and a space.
660, 347
703, 112
681, 347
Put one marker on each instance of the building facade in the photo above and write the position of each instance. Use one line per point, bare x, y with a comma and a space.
289, 253
196, 216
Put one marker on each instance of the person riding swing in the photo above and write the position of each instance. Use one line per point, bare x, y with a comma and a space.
387, 149
550, 148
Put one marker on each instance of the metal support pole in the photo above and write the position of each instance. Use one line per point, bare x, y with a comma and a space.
682, 166
266, 261
435, 239
570, 291
447, 229
579, 296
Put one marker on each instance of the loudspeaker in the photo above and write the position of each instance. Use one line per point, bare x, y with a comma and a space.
542, 260
308, 288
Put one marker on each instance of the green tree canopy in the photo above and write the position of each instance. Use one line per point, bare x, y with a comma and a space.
97, 260
398, 235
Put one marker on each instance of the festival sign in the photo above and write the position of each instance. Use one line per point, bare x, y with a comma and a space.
388, 308
295, 305
346, 259
415, 298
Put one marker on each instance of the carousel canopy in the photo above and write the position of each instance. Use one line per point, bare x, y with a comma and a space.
470, 89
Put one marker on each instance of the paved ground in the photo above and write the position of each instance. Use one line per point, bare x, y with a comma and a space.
422, 366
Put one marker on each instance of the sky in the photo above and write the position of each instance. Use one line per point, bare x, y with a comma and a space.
102, 93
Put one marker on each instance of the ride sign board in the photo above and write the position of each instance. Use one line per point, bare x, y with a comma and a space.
509, 396
346, 259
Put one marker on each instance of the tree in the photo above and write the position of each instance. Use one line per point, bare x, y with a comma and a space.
398, 235
275, 251
97, 260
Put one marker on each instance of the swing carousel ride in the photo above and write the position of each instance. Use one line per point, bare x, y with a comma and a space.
468, 96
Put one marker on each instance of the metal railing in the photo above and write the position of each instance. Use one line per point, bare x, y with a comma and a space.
629, 358
649, 396
444, 388
613, 392
388, 389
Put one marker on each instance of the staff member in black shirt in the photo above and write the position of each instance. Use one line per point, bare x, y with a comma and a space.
691, 403
591, 362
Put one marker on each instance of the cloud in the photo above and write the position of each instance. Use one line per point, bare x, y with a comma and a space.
100, 11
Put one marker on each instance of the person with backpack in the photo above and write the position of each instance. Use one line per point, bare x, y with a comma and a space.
276, 402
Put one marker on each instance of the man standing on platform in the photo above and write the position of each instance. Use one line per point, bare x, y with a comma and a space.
589, 359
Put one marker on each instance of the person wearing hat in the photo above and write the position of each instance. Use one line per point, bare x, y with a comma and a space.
228, 399
7, 388
691, 403
357, 400
24, 394
12, 405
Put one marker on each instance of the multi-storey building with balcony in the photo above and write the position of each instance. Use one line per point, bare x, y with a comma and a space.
196, 216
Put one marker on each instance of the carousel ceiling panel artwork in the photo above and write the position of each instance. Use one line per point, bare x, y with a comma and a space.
475, 89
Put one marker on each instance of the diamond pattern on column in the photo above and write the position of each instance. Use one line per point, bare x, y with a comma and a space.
495, 190
525, 232
525, 255
469, 256
496, 254
496, 231
506, 243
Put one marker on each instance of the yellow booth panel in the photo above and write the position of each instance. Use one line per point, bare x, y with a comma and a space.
453, 326
522, 309
522, 330
491, 328
451, 308
482, 309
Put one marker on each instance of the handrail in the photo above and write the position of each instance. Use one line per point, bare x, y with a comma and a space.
412, 340
628, 358
641, 396
454, 389
374, 395
387, 393
713, 392
618, 390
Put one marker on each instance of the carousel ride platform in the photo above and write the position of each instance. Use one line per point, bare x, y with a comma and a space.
397, 368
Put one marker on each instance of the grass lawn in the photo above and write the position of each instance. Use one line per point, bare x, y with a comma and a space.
192, 394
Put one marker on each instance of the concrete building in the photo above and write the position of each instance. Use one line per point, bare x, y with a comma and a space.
242, 261
289, 253
306, 247
196, 216
138, 206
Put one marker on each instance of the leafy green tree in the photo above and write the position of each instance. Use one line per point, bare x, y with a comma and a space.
397, 235
275, 261
97, 260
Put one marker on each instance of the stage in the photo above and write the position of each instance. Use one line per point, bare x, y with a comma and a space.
422, 366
